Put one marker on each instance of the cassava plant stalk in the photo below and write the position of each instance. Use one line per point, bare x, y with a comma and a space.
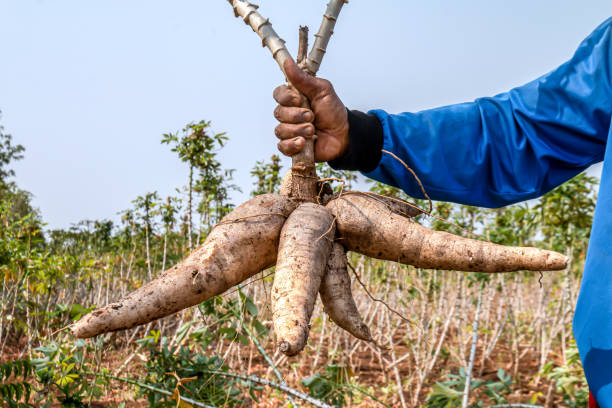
303, 170
315, 56
262, 26
303, 164
468, 373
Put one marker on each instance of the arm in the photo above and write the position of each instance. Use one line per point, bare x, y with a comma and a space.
499, 150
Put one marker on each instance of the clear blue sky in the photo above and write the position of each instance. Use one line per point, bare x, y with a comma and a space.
90, 86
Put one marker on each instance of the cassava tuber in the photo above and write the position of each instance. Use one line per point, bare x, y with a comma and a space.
304, 248
337, 297
243, 244
370, 227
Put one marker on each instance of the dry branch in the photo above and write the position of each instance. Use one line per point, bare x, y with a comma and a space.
313, 61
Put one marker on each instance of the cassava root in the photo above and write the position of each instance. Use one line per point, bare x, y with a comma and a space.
337, 297
300, 233
305, 244
241, 245
370, 227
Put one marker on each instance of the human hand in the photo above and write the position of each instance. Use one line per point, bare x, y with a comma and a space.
327, 117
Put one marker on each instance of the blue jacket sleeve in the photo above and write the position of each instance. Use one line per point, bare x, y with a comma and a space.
511, 147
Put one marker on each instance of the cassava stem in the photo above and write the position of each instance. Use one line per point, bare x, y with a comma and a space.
313, 61
241, 245
263, 28
305, 243
304, 185
303, 164
337, 297
369, 227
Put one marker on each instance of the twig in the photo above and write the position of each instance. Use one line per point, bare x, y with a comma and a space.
468, 375
398, 378
401, 316
303, 44
313, 61
515, 406
244, 285
263, 353
263, 28
149, 387
273, 384
414, 175
367, 394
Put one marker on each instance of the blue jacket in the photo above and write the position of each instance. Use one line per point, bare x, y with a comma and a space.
509, 148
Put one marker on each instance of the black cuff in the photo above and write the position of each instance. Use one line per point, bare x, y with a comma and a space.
365, 143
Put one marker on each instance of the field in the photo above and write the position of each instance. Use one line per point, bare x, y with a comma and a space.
507, 336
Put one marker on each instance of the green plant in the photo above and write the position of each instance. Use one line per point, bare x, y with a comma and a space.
448, 394
267, 176
15, 392
60, 367
569, 379
332, 385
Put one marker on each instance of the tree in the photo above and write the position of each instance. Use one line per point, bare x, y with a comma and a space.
144, 207
196, 146
267, 176
9, 152
168, 211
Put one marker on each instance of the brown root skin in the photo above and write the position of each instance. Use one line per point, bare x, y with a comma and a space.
286, 183
324, 190
397, 206
305, 244
241, 245
337, 297
369, 227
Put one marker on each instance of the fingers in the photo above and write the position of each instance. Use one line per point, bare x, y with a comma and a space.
292, 146
290, 131
288, 96
307, 84
293, 115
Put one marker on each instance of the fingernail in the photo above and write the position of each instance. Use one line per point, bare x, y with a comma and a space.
298, 143
310, 130
308, 116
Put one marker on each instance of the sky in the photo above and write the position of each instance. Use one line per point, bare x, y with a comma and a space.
90, 87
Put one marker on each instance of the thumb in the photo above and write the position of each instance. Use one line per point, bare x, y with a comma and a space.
306, 84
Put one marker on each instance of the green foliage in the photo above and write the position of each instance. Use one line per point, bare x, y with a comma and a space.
60, 367
448, 394
144, 206
9, 152
188, 370
198, 146
13, 392
332, 385
165, 369
569, 379
349, 177
566, 213
267, 176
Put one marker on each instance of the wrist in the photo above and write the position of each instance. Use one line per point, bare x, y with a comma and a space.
363, 144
